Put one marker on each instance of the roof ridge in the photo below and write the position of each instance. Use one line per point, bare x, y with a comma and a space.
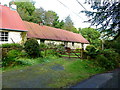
53, 27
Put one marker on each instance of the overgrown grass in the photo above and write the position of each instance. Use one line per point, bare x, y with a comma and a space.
26, 62
75, 70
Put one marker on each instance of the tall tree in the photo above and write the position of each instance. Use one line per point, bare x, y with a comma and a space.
107, 15
25, 9
69, 25
38, 15
92, 36
50, 18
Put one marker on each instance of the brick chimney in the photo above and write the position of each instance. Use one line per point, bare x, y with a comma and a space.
41, 23
13, 6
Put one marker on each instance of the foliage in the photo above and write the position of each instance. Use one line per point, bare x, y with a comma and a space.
108, 59
32, 47
107, 15
68, 25
92, 36
9, 59
27, 61
25, 9
11, 45
38, 15
43, 45
103, 62
23, 36
15, 58
50, 18
91, 51
114, 44
13, 54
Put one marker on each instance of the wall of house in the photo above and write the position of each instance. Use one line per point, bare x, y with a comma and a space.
13, 37
69, 44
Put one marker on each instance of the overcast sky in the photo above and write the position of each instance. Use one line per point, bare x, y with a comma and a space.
63, 9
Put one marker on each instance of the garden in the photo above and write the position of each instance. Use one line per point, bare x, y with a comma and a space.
67, 71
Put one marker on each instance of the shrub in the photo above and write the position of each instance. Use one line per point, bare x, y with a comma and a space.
7, 47
91, 51
111, 55
11, 45
103, 62
108, 59
32, 47
43, 45
9, 59
13, 53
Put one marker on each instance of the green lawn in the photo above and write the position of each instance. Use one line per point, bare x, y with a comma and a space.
75, 70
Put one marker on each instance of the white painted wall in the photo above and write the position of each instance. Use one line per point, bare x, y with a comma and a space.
76, 45
12, 35
55, 42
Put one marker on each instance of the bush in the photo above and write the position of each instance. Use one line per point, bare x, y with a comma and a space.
11, 45
13, 53
108, 59
103, 62
91, 51
32, 47
43, 45
7, 47
9, 59
111, 55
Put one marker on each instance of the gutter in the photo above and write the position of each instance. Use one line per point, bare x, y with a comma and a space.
13, 30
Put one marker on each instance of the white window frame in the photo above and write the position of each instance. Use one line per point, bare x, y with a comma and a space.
4, 36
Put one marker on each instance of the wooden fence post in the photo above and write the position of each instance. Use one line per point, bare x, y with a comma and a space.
45, 52
69, 54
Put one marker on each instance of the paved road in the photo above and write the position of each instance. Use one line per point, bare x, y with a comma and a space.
106, 80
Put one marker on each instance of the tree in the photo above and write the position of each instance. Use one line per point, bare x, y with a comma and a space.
38, 15
68, 25
58, 24
25, 9
91, 35
107, 15
51, 18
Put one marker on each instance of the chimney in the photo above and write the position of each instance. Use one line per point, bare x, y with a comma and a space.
13, 6
40, 23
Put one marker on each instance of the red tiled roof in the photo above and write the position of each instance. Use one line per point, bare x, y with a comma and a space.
50, 33
10, 19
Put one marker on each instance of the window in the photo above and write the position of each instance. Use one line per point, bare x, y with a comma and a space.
3, 36
42, 40
72, 43
66, 44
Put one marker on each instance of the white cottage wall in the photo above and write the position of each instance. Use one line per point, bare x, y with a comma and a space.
72, 46
13, 37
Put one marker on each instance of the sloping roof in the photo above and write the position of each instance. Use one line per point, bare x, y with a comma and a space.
10, 20
50, 33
